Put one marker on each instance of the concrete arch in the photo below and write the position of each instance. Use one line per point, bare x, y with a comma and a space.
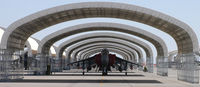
172, 53
92, 46
53, 47
52, 51
18, 32
1, 32
129, 55
28, 43
113, 41
99, 40
124, 54
157, 41
34, 44
138, 42
29, 48
103, 45
89, 53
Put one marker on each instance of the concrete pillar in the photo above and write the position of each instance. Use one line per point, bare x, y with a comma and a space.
162, 66
140, 63
42, 63
11, 65
150, 64
187, 68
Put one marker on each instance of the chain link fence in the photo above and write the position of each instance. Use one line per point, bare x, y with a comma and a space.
162, 66
140, 63
41, 66
56, 64
11, 65
149, 64
187, 68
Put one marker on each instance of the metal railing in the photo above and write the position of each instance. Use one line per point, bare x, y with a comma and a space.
11, 65
187, 68
149, 63
162, 66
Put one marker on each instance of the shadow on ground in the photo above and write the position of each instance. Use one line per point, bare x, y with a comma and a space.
95, 75
91, 74
83, 81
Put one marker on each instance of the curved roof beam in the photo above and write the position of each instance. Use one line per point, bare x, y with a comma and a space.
93, 46
52, 51
171, 55
103, 45
98, 50
18, 32
114, 40
138, 42
106, 40
155, 40
99, 40
28, 43
129, 55
110, 42
1, 32
80, 52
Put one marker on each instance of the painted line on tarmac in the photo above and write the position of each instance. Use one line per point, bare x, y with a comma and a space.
101, 82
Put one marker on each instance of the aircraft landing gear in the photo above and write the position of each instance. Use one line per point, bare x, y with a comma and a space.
104, 71
126, 73
83, 73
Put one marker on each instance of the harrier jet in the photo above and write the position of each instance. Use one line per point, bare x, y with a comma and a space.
104, 61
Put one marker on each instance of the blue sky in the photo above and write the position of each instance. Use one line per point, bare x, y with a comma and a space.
187, 11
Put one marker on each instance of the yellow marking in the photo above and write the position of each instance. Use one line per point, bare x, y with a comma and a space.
101, 82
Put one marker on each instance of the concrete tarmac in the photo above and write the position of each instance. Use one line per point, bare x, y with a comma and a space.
75, 79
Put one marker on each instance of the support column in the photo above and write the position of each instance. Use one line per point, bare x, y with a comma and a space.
170, 61
150, 64
187, 68
11, 65
66, 64
42, 64
162, 66
62, 63
140, 63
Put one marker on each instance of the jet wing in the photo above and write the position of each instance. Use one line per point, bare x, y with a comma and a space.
119, 60
85, 63
84, 60
123, 64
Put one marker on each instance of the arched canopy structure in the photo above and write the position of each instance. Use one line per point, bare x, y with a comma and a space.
93, 46
99, 40
106, 40
175, 53
104, 45
31, 44
52, 51
18, 32
36, 43
98, 50
158, 42
171, 54
124, 54
80, 52
138, 42
130, 54
1, 32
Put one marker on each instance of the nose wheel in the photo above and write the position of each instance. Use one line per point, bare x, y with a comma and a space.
126, 73
104, 72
